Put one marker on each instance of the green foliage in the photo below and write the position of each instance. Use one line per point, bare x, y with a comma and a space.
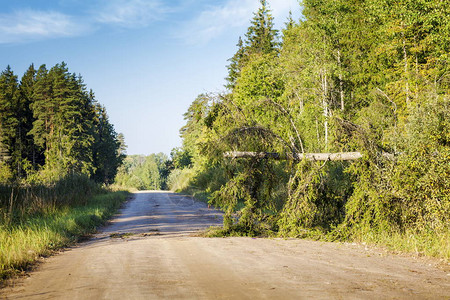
11, 122
416, 194
368, 76
179, 179
108, 149
6, 174
180, 158
316, 199
64, 112
143, 172
260, 39
52, 127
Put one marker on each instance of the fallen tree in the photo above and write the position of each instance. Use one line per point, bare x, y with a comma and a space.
295, 156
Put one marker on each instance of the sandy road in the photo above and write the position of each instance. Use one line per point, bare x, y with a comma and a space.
148, 252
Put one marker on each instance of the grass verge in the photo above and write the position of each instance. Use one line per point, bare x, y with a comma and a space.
23, 242
431, 244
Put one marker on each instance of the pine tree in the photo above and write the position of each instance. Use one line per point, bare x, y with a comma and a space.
108, 147
234, 68
32, 153
10, 118
290, 22
43, 110
63, 115
49, 123
260, 39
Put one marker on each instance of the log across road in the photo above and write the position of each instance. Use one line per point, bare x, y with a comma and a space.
150, 251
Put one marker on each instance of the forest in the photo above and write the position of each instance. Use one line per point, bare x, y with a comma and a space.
349, 76
51, 126
57, 152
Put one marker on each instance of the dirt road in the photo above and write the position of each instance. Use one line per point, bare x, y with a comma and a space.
148, 252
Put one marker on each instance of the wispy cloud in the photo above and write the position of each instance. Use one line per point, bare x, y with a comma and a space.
215, 20
29, 25
130, 13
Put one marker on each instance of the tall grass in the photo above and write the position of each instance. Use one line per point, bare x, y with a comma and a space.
432, 244
36, 220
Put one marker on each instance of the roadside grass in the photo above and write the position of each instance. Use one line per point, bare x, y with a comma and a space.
425, 243
436, 245
23, 241
117, 188
431, 244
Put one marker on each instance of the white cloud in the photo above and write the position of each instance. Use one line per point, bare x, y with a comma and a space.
215, 20
212, 22
129, 13
29, 25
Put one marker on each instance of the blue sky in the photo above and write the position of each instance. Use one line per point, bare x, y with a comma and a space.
146, 60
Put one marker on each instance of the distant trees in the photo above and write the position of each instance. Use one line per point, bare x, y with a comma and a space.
51, 126
143, 172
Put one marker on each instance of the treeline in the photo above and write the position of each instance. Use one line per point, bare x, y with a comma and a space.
51, 126
155, 171
144, 172
369, 76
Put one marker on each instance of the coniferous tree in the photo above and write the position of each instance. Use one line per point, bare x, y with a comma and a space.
49, 123
8, 95
33, 154
261, 39
63, 125
10, 120
77, 113
106, 148
43, 110
234, 68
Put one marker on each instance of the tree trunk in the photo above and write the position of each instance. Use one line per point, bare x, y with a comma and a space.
325, 107
296, 156
341, 83
405, 61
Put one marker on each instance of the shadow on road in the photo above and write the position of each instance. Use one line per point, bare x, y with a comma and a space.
162, 213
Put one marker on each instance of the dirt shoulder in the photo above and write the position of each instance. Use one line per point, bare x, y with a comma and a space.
149, 252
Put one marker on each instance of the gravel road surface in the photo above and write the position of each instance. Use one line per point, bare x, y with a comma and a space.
150, 251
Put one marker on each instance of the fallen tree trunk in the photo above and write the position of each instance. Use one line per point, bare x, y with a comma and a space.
296, 156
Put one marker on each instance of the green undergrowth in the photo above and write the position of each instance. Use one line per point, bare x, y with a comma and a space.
431, 244
22, 242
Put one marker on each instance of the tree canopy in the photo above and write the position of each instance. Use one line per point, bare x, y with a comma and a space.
51, 126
